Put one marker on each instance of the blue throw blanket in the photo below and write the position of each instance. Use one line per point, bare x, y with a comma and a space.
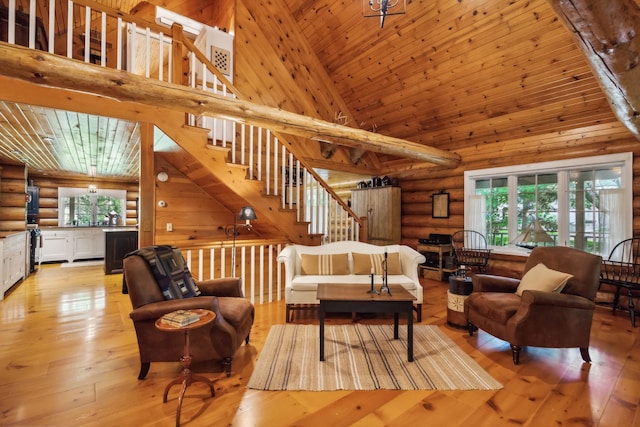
170, 270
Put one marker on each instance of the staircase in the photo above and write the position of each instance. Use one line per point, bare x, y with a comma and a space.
253, 162
216, 160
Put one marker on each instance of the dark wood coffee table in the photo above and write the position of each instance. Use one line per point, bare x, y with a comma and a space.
354, 298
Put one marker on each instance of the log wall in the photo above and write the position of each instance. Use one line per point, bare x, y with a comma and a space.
13, 198
48, 212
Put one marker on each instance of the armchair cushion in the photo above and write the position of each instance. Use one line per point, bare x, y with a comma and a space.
542, 278
497, 306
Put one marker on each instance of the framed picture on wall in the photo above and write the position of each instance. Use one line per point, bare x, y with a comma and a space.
440, 205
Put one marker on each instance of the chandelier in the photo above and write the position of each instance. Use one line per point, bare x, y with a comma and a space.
382, 8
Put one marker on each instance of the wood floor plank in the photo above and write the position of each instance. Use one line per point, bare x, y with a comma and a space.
68, 356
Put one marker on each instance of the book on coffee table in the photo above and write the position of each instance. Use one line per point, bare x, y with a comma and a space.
180, 318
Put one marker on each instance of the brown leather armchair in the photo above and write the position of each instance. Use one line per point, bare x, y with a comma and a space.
539, 318
217, 341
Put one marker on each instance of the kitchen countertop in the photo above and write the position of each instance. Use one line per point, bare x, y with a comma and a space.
4, 234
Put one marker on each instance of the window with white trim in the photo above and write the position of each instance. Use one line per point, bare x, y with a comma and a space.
80, 207
584, 203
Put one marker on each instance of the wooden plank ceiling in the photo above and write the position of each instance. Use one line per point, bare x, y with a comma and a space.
456, 74
449, 74
69, 143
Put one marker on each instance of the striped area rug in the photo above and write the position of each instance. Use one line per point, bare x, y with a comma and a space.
365, 357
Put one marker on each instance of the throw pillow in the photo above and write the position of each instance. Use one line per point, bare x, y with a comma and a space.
542, 278
365, 263
324, 264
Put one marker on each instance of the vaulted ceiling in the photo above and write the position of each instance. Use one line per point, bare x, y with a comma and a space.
454, 74
451, 74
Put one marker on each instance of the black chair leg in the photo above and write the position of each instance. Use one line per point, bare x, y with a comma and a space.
144, 370
515, 352
226, 362
616, 299
632, 309
471, 328
584, 352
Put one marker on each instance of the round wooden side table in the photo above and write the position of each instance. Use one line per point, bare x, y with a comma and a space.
187, 378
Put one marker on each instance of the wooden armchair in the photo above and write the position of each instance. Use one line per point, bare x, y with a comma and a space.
470, 249
218, 340
622, 270
558, 317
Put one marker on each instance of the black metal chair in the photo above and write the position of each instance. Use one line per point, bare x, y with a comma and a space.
622, 270
470, 249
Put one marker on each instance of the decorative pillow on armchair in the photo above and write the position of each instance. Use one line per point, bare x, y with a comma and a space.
542, 278
324, 264
365, 263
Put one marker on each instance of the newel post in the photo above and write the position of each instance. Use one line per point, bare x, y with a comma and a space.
178, 76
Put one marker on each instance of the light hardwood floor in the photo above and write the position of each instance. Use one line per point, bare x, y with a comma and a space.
68, 357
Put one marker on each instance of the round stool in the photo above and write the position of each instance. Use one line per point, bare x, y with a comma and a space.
459, 289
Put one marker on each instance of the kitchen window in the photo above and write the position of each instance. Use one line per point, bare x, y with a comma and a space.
80, 207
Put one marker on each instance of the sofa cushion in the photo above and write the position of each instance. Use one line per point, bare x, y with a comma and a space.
325, 264
368, 263
542, 278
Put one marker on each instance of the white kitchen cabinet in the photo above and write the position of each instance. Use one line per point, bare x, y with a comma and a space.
56, 245
72, 244
88, 244
14, 260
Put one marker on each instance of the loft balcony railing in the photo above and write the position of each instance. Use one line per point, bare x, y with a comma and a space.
88, 31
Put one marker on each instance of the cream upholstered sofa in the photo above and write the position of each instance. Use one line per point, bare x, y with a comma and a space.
347, 262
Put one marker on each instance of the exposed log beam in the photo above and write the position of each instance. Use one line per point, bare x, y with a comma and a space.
609, 34
50, 70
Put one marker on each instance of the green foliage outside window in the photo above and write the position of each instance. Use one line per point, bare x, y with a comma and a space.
92, 210
81, 209
538, 199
